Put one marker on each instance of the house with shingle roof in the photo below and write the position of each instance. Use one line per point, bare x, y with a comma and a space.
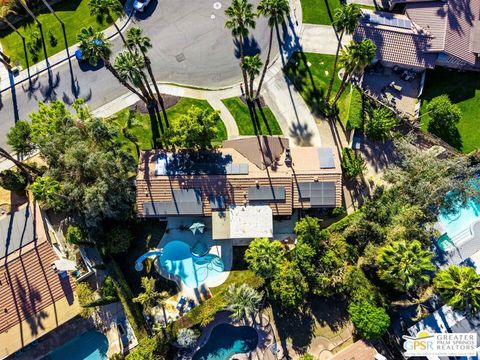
427, 33
253, 178
34, 298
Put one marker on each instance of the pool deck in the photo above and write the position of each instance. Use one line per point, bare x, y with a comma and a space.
463, 250
261, 325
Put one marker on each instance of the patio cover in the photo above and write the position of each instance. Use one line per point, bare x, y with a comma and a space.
243, 222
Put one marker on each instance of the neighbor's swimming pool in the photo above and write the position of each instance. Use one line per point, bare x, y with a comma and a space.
91, 345
177, 259
227, 340
455, 224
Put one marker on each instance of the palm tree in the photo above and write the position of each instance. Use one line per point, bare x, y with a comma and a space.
136, 40
346, 20
241, 19
149, 297
459, 287
252, 65
129, 67
275, 10
264, 257
243, 301
354, 59
23, 3
26, 169
405, 265
95, 46
109, 9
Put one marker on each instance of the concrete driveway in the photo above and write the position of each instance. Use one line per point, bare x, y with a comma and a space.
191, 47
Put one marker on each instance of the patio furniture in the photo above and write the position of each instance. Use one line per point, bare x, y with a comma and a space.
395, 86
197, 226
181, 303
190, 306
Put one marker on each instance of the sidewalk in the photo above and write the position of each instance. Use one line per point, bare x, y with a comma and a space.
55, 59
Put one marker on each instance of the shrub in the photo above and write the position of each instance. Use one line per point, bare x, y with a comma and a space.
118, 239
19, 138
13, 180
186, 338
52, 39
85, 296
444, 117
352, 163
150, 348
370, 321
355, 116
306, 356
75, 235
379, 123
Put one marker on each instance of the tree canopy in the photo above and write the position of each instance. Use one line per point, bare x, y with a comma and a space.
264, 256
88, 172
370, 321
444, 117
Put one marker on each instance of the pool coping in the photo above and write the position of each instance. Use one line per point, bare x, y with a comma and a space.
223, 318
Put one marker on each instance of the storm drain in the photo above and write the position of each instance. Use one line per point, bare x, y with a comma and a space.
180, 57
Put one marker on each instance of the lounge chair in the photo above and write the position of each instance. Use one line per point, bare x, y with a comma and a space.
190, 306
181, 303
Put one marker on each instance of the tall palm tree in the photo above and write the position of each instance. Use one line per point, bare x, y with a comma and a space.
346, 20
150, 296
243, 301
459, 287
252, 65
136, 40
405, 265
129, 67
107, 8
241, 19
275, 11
354, 59
23, 3
95, 46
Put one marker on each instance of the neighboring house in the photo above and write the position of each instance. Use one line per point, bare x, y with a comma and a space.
428, 33
34, 299
241, 185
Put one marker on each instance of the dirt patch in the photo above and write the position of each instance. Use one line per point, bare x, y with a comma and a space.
259, 102
168, 100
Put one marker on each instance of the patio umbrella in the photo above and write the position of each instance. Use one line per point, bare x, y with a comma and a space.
197, 226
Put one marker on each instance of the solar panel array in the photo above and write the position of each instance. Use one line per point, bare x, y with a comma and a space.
319, 193
266, 193
325, 156
184, 202
213, 164
389, 21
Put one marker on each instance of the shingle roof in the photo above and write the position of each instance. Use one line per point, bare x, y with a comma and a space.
399, 47
431, 17
28, 285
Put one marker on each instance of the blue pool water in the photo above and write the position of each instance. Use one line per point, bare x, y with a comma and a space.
91, 345
456, 223
177, 259
226, 340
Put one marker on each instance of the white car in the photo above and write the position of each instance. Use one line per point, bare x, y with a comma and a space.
140, 5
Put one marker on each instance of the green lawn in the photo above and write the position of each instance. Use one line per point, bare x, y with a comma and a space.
74, 13
311, 74
319, 11
263, 122
140, 125
464, 90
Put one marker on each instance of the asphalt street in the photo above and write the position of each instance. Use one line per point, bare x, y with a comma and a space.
191, 46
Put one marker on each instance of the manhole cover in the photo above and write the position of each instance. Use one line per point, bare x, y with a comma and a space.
180, 57
217, 5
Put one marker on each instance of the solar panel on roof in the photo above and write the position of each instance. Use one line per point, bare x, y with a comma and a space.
318, 193
389, 21
325, 156
264, 193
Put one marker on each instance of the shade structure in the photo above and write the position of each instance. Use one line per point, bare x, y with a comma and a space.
197, 226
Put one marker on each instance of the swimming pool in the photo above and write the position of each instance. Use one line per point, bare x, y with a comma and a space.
91, 345
227, 340
177, 259
456, 225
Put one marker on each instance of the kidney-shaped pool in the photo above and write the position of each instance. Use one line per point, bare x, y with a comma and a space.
227, 340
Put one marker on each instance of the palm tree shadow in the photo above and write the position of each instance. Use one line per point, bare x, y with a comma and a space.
254, 117
262, 115
250, 46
